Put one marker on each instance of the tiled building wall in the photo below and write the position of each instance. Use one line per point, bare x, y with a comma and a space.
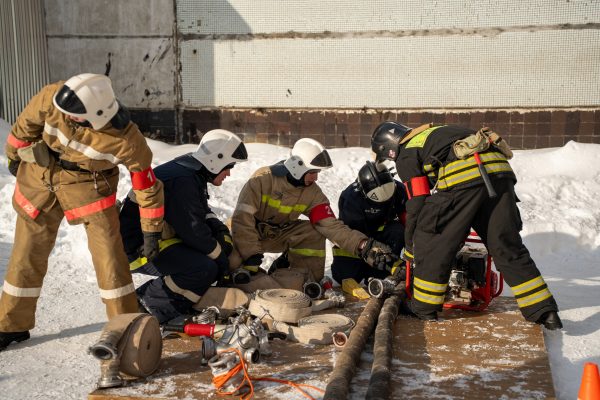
524, 129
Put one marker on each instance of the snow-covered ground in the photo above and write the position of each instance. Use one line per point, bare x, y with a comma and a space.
560, 193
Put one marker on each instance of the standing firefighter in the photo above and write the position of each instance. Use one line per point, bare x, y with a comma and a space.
457, 179
64, 150
266, 218
195, 244
373, 205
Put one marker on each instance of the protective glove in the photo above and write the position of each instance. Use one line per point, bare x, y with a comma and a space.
223, 275
224, 239
398, 270
378, 255
252, 263
151, 245
13, 166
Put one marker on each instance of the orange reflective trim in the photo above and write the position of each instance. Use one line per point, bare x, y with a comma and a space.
143, 179
158, 212
17, 143
25, 204
92, 208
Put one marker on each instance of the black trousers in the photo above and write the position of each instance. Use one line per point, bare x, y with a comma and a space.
184, 274
354, 267
443, 224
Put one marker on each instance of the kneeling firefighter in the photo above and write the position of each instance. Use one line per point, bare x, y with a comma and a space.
195, 244
268, 211
457, 179
374, 205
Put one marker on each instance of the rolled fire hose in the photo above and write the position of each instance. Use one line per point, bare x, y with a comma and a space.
129, 343
316, 329
286, 305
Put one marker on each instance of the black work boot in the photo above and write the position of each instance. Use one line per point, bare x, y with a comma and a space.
7, 338
405, 309
550, 320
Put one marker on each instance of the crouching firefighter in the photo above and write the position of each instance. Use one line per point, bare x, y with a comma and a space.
374, 205
457, 179
64, 150
266, 217
194, 247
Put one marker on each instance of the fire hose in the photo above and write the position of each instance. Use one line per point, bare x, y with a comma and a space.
384, 314
317, 329
129, 343
379, 383
286, 305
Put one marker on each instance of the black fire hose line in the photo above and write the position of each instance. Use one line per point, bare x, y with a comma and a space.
345, 367
379, 384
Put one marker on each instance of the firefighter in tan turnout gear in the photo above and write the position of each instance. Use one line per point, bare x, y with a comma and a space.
456, 179
266, 218
64, 150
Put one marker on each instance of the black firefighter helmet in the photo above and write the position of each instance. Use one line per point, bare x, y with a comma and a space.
386, 138
376, 182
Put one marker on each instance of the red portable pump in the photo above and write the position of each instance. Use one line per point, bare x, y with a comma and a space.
472, 284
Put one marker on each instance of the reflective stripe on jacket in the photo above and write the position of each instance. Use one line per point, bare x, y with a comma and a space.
91, 150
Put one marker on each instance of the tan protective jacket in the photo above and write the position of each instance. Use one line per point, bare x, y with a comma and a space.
272, 199
91, 150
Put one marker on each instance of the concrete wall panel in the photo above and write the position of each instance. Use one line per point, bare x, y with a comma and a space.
142, 70
109, 17
130, 41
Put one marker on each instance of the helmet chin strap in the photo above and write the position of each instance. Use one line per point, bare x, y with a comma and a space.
206, 174
85, 124
296, 182
209, 176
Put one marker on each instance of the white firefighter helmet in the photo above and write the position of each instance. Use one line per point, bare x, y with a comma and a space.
376, 182
220, 148
88, 96
307, 155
